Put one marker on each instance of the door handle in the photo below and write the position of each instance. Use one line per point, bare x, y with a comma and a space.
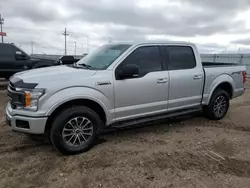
162, 80
197, 77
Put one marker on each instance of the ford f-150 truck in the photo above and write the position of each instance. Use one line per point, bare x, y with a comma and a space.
119, 84
13, 60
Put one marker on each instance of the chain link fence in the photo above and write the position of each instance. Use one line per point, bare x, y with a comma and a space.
242, 59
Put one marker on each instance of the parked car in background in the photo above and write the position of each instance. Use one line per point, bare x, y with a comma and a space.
119, 85
14, 59
67, 60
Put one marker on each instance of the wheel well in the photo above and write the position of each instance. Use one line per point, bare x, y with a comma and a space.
226, 87
85, 102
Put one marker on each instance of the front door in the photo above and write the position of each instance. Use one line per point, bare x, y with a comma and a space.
145, 94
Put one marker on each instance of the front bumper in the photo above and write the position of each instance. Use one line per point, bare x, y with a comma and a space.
36, 125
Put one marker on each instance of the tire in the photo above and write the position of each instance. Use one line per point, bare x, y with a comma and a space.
67, 120
211, 112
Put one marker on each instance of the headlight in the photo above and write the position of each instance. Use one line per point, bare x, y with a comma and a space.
31, 98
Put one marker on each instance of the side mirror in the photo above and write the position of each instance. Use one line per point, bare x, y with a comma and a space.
129, 71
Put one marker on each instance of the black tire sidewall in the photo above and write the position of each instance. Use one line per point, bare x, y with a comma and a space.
63, 118
218, 93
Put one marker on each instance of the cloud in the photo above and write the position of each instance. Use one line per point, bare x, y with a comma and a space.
221, 5
245, 41
31, 10
172, 19
99, 20
211, 48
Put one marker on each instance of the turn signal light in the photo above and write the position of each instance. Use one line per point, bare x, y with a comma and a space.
27, 99
244, 74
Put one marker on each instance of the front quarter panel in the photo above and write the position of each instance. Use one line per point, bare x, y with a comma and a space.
69, 94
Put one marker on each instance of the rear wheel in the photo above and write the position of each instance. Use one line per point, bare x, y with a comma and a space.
75, 130
218, 105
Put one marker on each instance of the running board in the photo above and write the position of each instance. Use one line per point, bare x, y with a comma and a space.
154, 118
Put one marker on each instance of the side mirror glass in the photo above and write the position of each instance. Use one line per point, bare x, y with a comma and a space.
129, 71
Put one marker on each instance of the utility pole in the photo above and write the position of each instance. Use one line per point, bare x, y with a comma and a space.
1, 25
75, 49
110, 39
87, 45
65, 39
32, 43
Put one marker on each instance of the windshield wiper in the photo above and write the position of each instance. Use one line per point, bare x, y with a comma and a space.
84, 65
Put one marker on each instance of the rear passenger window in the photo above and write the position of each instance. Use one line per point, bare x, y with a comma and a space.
147, 59
181, 57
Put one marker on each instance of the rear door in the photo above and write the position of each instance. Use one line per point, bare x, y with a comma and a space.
145, 94
185, 77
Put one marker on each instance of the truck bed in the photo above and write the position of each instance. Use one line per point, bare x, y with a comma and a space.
228, 72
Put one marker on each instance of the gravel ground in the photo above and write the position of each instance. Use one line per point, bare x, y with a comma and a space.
185, 152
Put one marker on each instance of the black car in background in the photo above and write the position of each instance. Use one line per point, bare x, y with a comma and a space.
67, 60
14, 59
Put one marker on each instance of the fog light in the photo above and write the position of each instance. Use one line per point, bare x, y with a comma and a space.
22, 124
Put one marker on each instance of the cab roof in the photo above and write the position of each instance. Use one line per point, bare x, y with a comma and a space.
156, 42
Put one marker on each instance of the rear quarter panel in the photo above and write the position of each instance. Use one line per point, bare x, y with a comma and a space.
218, 75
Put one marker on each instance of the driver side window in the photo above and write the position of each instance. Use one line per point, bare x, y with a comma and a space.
146, 58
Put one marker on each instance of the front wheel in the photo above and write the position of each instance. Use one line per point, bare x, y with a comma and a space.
75, 130
218, 105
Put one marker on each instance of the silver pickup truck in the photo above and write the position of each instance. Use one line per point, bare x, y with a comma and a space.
119, 84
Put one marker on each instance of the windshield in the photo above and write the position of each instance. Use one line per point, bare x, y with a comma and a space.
104, 56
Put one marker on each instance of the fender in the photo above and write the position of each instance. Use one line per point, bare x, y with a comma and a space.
68, 94
223, 78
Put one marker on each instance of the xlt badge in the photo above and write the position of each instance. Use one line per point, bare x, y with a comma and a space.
103, 83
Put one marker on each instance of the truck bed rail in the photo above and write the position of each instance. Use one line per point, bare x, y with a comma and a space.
208, 64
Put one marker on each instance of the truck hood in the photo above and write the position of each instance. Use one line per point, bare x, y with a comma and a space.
53, 74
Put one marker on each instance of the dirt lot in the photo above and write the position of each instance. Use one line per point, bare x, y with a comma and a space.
186, 153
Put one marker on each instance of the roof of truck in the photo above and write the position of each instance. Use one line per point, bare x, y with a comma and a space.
155, 42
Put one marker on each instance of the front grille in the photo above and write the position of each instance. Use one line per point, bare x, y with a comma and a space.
10, 91
12, 87
16, 97
13, 106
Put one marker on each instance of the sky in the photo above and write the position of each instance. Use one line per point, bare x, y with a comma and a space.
216, 26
